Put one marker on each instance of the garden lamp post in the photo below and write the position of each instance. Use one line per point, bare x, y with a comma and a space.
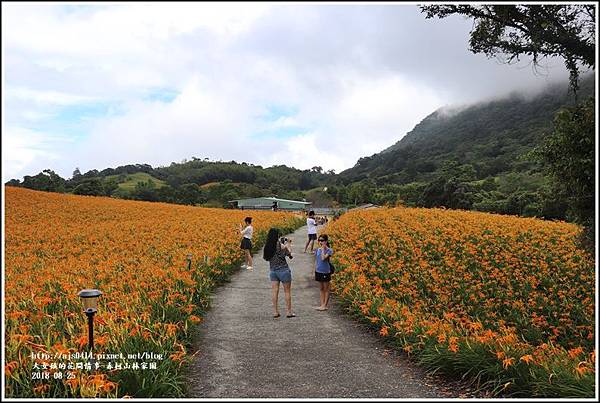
189, 261
90, 307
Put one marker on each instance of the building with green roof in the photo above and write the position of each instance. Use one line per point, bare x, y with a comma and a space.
270, 203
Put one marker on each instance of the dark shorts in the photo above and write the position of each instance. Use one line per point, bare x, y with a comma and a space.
246, 243
322, 277
312, 236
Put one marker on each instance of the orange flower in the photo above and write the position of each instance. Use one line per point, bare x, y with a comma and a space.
582, 369
82, 341
195, 319
574, 352
109, 387
527, 358
507, 362
177, 356
41, 389
171, 329
10, 367
72, 383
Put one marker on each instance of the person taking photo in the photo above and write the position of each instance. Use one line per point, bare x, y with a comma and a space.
275, 252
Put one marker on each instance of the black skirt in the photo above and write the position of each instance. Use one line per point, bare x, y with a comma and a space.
322, 277
246, 244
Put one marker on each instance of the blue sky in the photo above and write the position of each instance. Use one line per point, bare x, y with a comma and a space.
265, 83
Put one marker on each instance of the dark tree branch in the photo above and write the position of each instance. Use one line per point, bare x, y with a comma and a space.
536, 30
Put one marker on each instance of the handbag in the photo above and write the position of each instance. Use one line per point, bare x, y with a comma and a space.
331, 266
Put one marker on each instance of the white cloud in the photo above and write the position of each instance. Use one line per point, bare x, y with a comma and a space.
27, 152
32, 115
97, 31
47, 97
354, 78
306, 151
195, 123
284, 122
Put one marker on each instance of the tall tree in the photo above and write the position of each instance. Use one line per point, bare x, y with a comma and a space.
538, 31
569, 154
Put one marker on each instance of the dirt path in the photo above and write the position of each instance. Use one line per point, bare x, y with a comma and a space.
245, 353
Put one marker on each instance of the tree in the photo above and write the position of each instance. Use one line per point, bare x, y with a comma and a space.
13, 182
568, 154
76, 174
538, 31
110, 186
190, 193
47, 181
306, 180
90, 187
145, 191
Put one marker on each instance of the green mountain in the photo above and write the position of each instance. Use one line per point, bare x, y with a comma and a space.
489, 138
472, 157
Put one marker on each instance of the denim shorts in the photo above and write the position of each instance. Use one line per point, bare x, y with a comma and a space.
285, 276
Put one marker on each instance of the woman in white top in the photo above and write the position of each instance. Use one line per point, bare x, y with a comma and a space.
312, 231
246, 244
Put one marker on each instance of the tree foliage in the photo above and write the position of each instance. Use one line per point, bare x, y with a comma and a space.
539, 31
47, 180
568, 154
90, 187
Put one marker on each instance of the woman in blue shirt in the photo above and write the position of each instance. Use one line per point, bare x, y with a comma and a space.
323, 271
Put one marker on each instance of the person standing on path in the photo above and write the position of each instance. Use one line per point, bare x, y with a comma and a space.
246, 243
275, 252
323, 271
312, 231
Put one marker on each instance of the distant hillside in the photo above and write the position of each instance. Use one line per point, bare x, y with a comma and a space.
492, 137
199, 182
128, 182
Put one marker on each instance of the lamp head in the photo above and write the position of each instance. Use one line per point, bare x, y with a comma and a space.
90, 300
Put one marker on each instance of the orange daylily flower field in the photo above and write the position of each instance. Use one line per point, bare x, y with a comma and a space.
136, 254
506, 302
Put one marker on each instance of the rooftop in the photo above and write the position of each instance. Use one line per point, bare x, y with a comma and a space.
271, 199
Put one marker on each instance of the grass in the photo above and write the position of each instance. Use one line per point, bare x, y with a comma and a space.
131, 180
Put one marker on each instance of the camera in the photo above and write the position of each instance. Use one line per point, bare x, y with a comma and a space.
285, 240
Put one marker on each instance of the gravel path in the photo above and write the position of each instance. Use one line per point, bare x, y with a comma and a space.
243, 352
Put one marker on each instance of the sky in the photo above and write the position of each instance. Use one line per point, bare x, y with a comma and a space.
93, 86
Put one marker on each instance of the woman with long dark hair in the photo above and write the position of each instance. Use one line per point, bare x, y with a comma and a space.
275, 252
323, 271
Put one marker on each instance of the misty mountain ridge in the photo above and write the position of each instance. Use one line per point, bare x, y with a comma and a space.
474, 133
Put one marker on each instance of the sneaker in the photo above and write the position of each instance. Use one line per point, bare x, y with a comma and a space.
243, 266
249, 268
